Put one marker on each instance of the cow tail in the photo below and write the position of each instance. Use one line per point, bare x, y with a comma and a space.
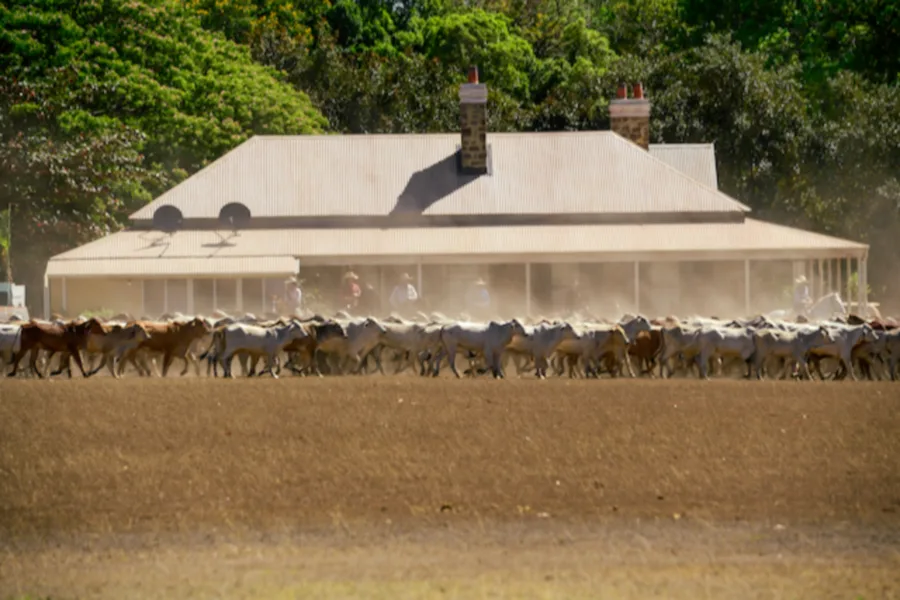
211, 349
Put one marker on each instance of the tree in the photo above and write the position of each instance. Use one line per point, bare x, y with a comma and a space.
105, 104
756, 116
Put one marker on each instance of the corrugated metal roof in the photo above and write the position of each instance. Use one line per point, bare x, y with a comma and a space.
696, 160
129, 264
377, 175
201, 252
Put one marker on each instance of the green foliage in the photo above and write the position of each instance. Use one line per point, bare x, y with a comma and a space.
104, 104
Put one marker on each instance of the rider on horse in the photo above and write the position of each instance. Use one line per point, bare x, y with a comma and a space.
802, 299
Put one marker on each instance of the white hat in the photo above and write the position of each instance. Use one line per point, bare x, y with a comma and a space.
800, 279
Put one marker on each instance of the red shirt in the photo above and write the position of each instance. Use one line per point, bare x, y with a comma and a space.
352, 290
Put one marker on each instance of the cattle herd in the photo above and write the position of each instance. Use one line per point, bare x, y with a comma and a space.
633, 346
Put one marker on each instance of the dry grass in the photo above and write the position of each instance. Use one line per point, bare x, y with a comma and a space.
179, 468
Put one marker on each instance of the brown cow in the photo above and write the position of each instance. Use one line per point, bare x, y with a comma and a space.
112, 342
67, 338
305, 349
172, 340
645, 348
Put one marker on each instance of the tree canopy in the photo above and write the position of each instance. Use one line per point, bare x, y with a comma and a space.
104, 104
117, 100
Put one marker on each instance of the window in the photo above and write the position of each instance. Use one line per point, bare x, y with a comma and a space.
154, 297
226, 295
252, 296
177, 296
203, 296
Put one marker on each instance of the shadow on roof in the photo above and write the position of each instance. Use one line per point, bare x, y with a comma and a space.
430, 185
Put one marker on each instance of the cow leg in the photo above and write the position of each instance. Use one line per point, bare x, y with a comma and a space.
148, 364
492, 362
15, 364
167, 362
625, 359
75, 354
865, 368
187, 358
270, 364
104, 361
702, 361
804, 367
225, 360
63, 364
111, 360
847, 361
14, 361
665, 369
540, 366
451, 358
33, 363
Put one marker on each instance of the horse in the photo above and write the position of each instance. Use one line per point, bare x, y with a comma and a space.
825, 308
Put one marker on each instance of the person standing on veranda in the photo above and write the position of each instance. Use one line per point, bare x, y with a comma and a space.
802, 299
293, 297
350, 292
478, 299
404, 297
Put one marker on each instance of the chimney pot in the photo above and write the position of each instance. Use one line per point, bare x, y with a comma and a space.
473, 98
630, 117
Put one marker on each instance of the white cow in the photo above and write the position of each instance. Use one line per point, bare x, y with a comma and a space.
255, 341
721, 342
844, 339
488, 339
792, 347
677, 341
540, 342
412, 342
10, 343
362, 337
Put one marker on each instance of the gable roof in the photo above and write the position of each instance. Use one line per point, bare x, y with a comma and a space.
539, 174
698, 161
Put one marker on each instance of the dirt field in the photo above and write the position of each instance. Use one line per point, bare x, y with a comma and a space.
406, 487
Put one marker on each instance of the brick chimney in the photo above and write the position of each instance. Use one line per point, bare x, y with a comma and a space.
630, 117
473, 124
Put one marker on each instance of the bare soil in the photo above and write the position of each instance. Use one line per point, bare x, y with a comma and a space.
408, 487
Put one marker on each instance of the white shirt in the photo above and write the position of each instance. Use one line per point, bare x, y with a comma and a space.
801, 293
478, 297
403, 293
295, 297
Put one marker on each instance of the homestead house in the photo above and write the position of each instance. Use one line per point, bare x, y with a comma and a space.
643, 227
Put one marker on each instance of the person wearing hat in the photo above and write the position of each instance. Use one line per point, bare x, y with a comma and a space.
350, 291
574, 297
404, 294
802, 299
478, 299
293, 297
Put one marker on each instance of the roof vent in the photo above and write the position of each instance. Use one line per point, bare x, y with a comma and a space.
167, 218
234, 215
